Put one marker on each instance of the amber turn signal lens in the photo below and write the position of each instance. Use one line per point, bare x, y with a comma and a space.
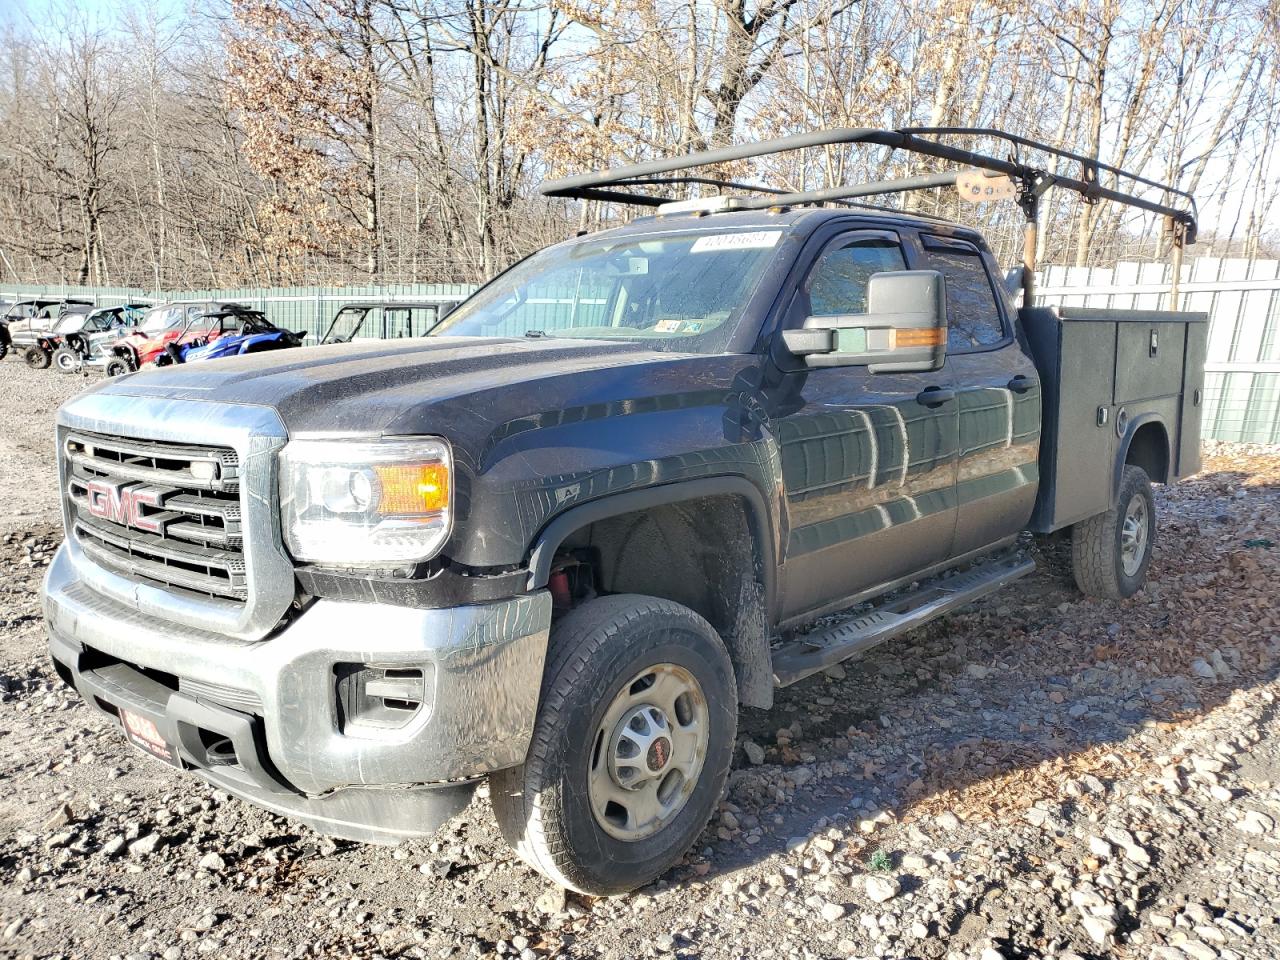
931, 337
412, 489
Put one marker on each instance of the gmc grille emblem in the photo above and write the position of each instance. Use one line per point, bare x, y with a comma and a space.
122, 503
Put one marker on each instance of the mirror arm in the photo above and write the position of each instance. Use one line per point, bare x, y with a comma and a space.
809, 340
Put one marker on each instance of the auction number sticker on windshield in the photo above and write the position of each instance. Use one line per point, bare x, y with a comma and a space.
749, 240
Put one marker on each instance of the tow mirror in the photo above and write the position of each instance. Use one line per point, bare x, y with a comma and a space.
904, 329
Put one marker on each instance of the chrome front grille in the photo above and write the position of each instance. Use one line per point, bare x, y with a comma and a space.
169, 513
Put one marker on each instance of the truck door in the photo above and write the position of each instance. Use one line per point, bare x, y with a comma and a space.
998, 391
868, 460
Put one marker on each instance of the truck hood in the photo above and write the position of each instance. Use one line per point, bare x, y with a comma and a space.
381, 387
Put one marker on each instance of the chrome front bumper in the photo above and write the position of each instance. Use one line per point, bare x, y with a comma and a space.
482, 669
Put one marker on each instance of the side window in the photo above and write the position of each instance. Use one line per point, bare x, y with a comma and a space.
398, 321
837, 284
973, 319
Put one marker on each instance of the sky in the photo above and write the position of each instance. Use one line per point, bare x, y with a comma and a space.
1217, 212
110, 11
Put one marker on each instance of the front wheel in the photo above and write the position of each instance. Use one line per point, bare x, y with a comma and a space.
116, 368
65, 359
37, 358
1110, 552
630, 749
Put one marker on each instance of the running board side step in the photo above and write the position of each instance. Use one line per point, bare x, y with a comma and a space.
931, 599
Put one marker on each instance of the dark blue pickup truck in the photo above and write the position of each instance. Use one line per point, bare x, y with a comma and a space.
559, 542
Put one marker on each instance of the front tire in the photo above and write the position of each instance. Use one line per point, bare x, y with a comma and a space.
65, 359
1111, 552
630, 749
36, 358
116, 368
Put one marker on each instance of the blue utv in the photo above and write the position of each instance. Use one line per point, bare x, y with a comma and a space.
232, 333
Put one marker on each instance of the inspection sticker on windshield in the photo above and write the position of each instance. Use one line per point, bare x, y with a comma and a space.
750, 240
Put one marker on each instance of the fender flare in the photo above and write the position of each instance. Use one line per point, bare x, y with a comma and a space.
750, 649
560, 527
1122, 449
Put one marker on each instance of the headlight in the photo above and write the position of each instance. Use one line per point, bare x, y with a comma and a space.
364, 502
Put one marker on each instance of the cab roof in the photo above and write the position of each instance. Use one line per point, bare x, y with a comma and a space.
797, 220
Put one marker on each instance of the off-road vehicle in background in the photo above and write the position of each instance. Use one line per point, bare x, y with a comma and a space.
28, 324
231, 333
179, 321
559, 542
91, 348
379, 320
69, 341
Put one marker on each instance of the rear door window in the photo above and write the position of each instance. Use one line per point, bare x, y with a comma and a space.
973, 317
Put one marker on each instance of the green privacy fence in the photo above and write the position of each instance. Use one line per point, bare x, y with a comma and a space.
1242, 298
294, 308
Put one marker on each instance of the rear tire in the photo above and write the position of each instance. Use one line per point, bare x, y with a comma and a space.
65, 359
1110, 553
116, 368
36, 358
602, 803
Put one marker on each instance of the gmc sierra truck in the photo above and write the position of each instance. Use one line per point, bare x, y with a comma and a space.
559, 542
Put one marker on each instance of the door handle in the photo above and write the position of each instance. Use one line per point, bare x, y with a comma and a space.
1021, 384
935, 396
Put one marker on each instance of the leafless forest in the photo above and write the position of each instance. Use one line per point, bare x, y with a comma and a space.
296, 141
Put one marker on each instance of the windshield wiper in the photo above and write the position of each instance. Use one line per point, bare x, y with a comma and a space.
536, 334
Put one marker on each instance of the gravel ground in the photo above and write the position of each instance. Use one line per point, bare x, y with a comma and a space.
29, 480
1038, 775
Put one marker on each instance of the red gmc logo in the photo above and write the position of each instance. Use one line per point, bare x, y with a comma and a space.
123, 503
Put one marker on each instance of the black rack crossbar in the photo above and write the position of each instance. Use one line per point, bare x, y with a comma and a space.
611, 185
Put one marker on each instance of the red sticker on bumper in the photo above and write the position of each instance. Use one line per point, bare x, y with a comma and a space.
143, 732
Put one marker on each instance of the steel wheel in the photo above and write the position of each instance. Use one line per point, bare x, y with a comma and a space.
1135, 535
648, 752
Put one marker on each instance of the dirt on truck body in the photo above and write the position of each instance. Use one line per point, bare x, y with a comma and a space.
555, 544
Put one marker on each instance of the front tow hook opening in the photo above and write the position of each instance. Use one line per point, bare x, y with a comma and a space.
218, 751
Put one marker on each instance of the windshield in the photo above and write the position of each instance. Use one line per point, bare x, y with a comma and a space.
161, 318
346, 324
678, 292
168, 316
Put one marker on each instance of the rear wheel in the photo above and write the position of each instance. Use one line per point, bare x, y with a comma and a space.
1110, 553
116, 368
631, 746
65, 359
36, 358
